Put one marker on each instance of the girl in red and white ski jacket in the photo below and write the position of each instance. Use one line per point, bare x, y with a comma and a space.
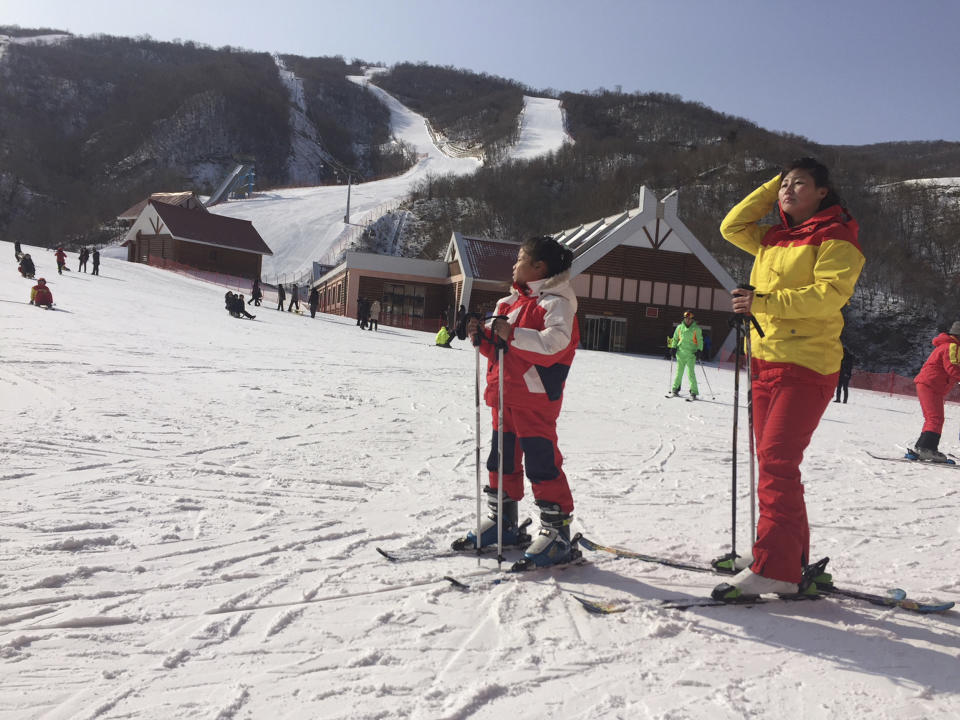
541, 336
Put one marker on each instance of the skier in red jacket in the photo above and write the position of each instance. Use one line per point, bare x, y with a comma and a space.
61, 260
40, 294
541, 334
938, 375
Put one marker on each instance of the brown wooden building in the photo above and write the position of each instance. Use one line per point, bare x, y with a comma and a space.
178, 236
634, 274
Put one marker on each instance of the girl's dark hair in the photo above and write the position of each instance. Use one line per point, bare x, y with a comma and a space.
821, 178
544, 248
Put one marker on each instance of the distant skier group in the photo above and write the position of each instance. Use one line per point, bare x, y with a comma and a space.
40, 294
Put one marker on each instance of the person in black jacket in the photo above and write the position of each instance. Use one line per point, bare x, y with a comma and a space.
294, 297
846, 372
363, 312
236, 306
26, 268
96, 262
314, 301
281, 296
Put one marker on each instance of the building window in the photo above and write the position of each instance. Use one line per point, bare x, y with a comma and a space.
644, 291
653, 312
405, 300
598, 288
705, 301
630, 290
659, 293
676, 296
721, 300
581, 285
690, 296
613, 288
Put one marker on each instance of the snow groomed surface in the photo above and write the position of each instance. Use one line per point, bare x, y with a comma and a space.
190, 506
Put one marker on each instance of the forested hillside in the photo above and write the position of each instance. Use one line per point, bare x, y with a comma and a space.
351, 125
88, 126
478, 112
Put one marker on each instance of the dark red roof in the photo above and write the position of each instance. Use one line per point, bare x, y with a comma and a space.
184, 199
209, 229
491, 259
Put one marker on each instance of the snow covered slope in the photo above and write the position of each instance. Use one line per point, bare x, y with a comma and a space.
301, 225
189, 506
541, 129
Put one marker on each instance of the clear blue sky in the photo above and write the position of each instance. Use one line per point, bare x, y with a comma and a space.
837, 72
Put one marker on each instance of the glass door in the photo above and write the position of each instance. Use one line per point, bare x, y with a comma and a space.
604, 333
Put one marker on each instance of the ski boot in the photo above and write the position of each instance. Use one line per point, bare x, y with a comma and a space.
747, 585
693, 395
675, 392
927, 448
552, 545
513, 533
731, 563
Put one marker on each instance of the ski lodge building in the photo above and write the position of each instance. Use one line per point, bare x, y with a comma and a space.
175, 230
634, 275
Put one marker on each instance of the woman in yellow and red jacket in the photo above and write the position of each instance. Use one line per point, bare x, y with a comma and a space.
805, 271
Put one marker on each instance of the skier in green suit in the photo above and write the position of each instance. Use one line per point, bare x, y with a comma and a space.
687, 345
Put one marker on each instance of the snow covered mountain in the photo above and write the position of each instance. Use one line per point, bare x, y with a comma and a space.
190, 506
303, 225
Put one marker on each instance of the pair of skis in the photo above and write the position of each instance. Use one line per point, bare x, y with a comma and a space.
909, 457
522, 565
893, 598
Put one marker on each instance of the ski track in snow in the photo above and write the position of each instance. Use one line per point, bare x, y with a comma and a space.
190, 506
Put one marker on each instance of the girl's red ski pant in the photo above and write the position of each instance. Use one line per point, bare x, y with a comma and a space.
530, 438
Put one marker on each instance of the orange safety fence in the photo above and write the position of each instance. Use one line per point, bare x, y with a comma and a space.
888, 382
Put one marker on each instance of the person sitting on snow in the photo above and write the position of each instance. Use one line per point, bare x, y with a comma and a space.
444, 337
26, 267
236, 305
40, 294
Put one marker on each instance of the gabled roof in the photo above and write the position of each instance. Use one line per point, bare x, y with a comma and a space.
653, 224
185, 199
200, 226
483, 258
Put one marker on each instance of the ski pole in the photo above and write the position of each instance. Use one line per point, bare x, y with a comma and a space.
476, 395
736, 415
500, 457
753, 485
670, 353
703, 371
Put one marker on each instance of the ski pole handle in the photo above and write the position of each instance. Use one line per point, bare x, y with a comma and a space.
753, 320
